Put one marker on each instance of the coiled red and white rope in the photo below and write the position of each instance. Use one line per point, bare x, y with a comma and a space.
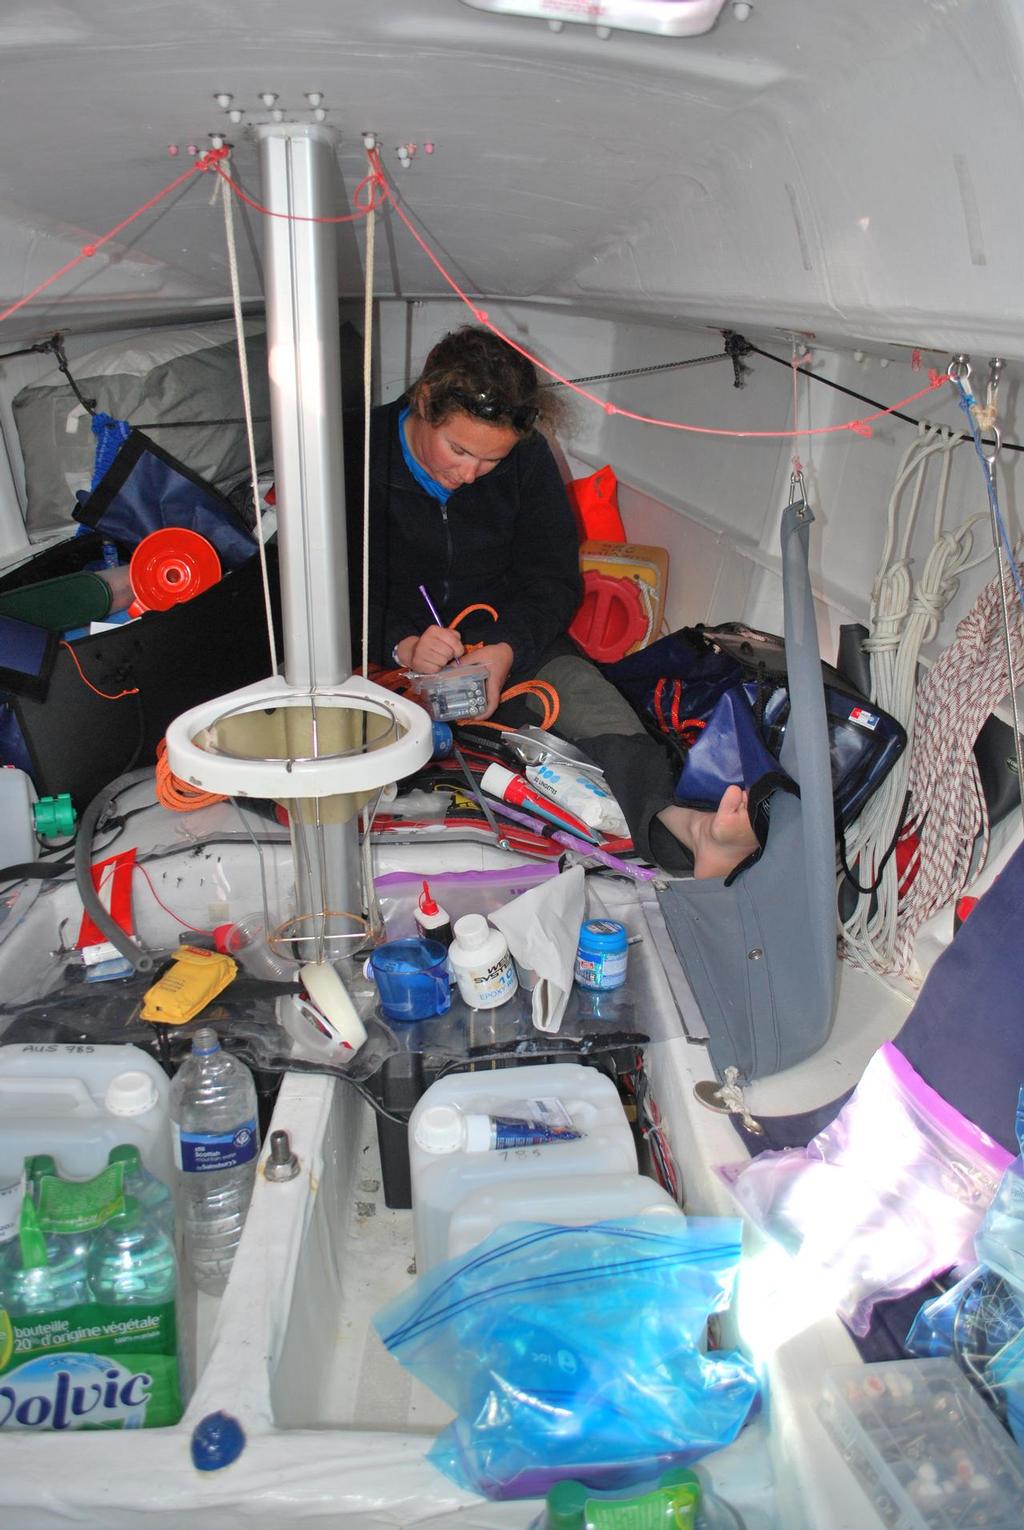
948, 811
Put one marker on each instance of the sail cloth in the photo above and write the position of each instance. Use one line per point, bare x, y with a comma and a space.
760, 950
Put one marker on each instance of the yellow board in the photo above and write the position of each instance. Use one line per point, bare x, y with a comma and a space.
192, 980
646, 566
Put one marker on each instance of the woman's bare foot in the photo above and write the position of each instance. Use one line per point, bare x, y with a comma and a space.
720, 840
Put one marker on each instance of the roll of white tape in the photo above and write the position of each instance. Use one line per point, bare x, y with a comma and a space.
332, 999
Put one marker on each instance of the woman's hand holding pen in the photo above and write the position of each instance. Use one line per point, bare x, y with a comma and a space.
432, 650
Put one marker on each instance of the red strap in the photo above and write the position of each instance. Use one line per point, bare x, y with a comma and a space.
113, 877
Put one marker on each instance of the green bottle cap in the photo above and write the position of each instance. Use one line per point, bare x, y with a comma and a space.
564, 1506
38, 1166
675, 1505
126, 1153
680, 1476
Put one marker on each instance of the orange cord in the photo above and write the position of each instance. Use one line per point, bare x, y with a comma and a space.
395, 680
175, 794
106, 695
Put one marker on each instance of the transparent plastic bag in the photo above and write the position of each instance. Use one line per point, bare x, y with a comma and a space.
1000, 1240
889, 1195
577, 1352
980, 1320
458, 892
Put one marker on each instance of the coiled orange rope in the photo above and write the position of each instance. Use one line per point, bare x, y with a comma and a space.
540, 689
175, 794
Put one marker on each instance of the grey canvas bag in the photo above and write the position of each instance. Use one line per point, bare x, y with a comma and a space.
760, 951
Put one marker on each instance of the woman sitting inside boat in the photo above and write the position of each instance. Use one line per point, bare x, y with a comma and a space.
466, 501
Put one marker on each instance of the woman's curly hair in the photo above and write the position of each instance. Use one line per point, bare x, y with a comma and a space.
474, 371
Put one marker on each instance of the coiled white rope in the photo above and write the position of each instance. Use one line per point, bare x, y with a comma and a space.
904, 616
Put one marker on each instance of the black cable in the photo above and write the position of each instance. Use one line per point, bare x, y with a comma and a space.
43, 347
897, 414
257, 419
841, 842
664, 366
56, 346
298, 1065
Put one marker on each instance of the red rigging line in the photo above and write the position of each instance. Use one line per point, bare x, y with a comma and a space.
381, 194
204, 162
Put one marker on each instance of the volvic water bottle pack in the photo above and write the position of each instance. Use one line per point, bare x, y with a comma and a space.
88, 1282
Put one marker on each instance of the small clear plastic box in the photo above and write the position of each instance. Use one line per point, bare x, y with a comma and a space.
928, 1452
458, 691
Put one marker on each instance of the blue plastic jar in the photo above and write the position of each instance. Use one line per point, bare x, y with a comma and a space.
412, 978
602, 955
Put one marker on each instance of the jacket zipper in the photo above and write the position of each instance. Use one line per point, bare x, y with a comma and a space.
446, 586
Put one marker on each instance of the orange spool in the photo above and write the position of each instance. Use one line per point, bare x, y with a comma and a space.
169, 566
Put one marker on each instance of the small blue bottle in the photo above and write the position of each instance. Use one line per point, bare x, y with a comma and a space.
602, 955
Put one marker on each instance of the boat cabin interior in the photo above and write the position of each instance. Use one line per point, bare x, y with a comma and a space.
509, 559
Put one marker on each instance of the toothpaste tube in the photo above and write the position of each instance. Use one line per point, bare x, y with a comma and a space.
508, 787
447, 1129
581, 793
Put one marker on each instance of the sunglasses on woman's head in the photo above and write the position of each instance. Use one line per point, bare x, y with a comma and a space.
484, 406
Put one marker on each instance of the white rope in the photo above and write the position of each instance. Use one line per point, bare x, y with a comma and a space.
370, 224
243, 367
904, 616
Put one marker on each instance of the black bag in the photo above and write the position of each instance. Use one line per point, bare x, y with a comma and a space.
719, 695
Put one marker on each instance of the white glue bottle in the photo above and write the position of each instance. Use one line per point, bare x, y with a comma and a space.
479, 957
431, 919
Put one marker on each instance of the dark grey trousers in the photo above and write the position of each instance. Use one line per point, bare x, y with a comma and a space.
641, 772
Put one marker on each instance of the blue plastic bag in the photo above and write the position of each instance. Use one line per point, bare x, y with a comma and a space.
577, 1352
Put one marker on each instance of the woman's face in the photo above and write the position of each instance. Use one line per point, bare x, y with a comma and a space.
460, 449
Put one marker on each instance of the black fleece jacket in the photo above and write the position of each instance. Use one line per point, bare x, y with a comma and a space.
509, 539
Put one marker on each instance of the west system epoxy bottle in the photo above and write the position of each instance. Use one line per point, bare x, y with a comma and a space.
479, 958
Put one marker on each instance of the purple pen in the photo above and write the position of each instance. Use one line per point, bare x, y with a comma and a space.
435, 613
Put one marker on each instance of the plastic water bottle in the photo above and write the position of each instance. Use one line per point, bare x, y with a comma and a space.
151, 1193
132, 1261
216, 1141
39, 1273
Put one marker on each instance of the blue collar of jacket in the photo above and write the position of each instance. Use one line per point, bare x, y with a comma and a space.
423, 478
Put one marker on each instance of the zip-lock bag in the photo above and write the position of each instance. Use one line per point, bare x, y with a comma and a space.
720, 696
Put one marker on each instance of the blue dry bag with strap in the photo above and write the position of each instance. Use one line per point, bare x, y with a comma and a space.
719, 696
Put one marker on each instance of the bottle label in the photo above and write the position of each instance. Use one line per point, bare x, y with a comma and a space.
203, 1152
76, 1206
10, 1209
607, 970
489, 985
91, 1366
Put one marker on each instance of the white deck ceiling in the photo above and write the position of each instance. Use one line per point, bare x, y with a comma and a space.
847, 169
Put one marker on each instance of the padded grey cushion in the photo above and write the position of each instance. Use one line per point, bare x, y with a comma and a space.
181, 375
